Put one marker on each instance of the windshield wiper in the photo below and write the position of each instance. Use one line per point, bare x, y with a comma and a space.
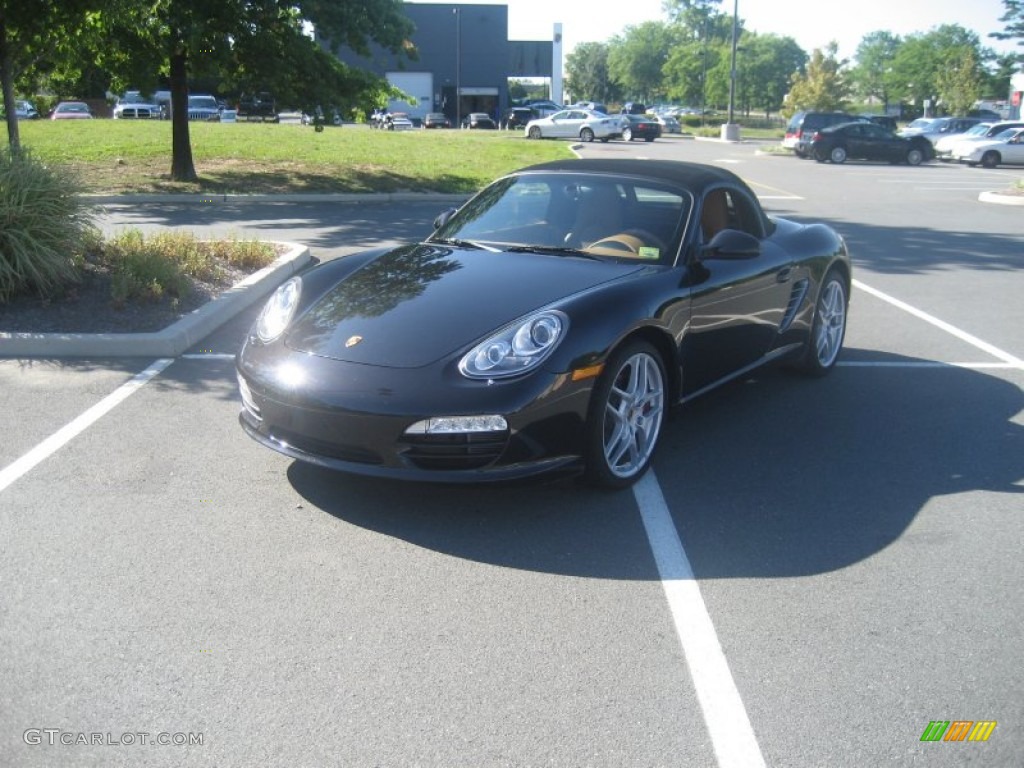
465, 244
560, 250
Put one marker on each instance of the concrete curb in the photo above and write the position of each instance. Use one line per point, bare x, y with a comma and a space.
300, 197
1001, 198
171, 341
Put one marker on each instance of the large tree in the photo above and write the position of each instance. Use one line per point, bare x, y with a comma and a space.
586, 73
636, 58
823, 86
1014, 21
32, 31
246, 44
871, 77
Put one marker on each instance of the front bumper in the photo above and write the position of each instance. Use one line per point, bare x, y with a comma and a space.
354, 418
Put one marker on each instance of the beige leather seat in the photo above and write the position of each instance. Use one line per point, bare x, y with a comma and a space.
715, 215
599, 215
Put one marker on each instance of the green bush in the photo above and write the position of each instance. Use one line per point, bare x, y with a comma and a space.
45, 226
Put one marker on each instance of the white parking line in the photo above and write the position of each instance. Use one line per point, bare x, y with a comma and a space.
71, 430
732, 736
974, 341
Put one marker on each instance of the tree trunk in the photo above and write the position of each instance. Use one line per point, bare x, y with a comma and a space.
182, 167
7, 83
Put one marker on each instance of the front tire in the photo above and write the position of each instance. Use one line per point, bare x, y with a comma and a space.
627, 135
829, 326
534, 132
627, 410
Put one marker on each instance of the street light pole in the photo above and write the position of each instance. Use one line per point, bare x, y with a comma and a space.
458, 67
731, 131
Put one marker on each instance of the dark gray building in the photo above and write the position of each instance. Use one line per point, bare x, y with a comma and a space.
465, 60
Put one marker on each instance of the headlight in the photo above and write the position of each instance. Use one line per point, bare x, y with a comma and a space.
516, 348
278, 311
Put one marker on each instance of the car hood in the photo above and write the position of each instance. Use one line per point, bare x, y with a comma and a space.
414, 305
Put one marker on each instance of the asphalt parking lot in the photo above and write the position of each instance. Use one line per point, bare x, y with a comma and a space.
814, 572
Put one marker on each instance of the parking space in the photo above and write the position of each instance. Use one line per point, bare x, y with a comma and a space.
853, 543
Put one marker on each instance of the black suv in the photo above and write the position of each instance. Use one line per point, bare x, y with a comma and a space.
803, 125
517, 117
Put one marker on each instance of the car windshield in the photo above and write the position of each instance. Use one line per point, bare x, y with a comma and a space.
72, 107
573, 214
978, 130
202, 102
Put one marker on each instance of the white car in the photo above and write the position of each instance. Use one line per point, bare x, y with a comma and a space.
582, 124
944, 146
1006, 148
398, 121
133, 106
975, 134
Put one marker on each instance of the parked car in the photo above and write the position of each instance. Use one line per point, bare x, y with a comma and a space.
479, 121
668, 123
633, 108
134, 106
556, 317
593, 106
257, 106
518, 117
862, 140
397, 121
436, 120
579, 124
944, 146
803, 125
639, 127
886, 121
543, 107
71, 110
935, 129
1006, 148
25, 110
203, 107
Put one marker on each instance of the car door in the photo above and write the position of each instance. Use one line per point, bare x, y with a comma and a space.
1013, 150
737, 304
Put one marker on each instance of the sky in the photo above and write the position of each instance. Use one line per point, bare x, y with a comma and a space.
599, 21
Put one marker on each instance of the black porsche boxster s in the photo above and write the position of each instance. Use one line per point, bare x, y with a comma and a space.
547, 324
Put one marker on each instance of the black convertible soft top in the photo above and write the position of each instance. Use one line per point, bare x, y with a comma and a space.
697, 177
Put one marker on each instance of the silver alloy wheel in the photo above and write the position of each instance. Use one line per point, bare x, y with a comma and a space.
830, 323
627, 135
586, 135
915, 157
838, 155
534, 132
633, 415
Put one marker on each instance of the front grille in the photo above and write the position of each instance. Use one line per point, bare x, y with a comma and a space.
330, 450
472, 450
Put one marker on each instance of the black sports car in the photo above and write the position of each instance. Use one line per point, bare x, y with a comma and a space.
868, 141
547, 324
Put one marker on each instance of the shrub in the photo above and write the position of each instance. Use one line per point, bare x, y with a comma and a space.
45, 225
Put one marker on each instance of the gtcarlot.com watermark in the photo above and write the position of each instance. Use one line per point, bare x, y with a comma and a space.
58, 737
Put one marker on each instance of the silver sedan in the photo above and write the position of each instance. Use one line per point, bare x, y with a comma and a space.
582, 124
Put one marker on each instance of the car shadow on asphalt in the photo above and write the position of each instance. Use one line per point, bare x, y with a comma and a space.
776, 476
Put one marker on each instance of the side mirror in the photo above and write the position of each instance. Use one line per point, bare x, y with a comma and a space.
441, 220
732, 244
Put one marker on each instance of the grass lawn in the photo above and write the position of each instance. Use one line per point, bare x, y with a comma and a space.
120, 156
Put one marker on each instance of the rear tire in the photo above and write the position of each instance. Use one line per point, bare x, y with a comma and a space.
990, 159
586, 135
915, 156
828, 327
837, 155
